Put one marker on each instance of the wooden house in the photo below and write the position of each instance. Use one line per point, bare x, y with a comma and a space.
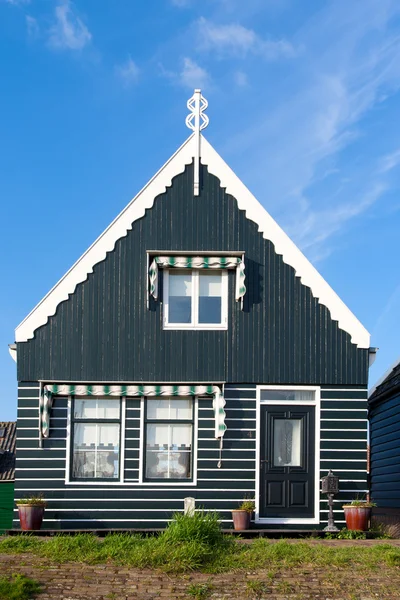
7, 473
192, 351
384, 422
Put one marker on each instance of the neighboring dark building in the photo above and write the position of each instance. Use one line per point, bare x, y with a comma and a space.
7, 473
384, 420
191, 351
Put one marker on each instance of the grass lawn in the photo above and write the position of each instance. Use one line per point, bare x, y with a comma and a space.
196, 555
199, 560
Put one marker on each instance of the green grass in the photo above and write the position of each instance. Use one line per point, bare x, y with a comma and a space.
195, 543
18, 587
199, 590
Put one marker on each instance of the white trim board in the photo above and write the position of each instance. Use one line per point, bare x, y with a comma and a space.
254, 211
316, 402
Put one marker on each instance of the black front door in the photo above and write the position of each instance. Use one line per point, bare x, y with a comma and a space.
287, 467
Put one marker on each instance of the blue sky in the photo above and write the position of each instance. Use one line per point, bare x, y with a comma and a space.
303, 105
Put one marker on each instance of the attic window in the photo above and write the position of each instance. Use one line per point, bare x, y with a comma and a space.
2, 432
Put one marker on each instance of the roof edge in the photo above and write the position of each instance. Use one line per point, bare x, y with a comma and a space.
254, 211
284, 246
381, 379
119, 228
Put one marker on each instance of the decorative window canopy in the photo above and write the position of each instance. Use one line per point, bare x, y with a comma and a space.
198, 262
49, 391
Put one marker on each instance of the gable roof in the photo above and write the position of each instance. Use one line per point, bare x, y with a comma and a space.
390, 381
7, 451
254, 211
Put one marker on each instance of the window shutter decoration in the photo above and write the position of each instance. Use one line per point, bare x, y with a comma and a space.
198, 262
46, 400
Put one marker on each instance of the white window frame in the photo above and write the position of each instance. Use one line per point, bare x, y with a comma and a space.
194, 325
157, 483
68, 465
317, 403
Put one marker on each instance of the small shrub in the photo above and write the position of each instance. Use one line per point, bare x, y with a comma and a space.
360, 502
255, 588
200, 526
33, 500
349, 534
18, 587
199, 590
248, 505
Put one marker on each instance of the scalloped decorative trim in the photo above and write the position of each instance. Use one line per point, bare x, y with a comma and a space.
106, 241
254, 211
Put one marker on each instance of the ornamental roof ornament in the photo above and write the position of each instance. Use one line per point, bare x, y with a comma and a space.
197, 121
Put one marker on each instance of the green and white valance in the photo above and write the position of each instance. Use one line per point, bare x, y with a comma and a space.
49, 391
198, 262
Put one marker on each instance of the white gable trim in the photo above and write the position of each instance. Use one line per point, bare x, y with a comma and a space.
254, 211
284, 246
106, 241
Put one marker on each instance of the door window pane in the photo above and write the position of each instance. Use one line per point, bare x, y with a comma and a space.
168, 450
180, 297
96, 451
287, 435
287, 395
210, 297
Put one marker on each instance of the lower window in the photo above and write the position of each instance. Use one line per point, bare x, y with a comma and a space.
169, 438
96, 439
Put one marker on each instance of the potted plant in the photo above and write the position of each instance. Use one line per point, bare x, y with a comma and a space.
242, 515
358, 514
31, 510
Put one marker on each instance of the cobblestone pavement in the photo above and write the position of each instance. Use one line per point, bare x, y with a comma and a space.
73, 581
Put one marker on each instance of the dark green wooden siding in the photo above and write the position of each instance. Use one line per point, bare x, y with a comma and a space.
104, 332
6, 505
343, 449
384, 415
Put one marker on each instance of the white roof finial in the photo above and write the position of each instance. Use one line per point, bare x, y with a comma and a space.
197, 121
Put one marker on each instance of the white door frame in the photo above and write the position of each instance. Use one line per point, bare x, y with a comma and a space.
317, 403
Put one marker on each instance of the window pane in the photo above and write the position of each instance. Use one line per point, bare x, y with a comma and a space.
168, 451
169, 408
96, 450
180, 297
287, 443
210, 297
96, 408
287, 395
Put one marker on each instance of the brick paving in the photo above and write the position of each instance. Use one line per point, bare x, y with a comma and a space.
74, 581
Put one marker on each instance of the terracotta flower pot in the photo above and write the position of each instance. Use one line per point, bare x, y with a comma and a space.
357, 517
30, 516
241, 520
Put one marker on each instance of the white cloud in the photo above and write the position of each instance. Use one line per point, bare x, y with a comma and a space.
390, 161
32, 26
349, 67
128, 72
192, 75
310, 228
392, 303
236, 40
240, 79
68, 32
17, 2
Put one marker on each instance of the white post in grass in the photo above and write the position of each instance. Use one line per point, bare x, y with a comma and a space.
197, 121
189, 505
